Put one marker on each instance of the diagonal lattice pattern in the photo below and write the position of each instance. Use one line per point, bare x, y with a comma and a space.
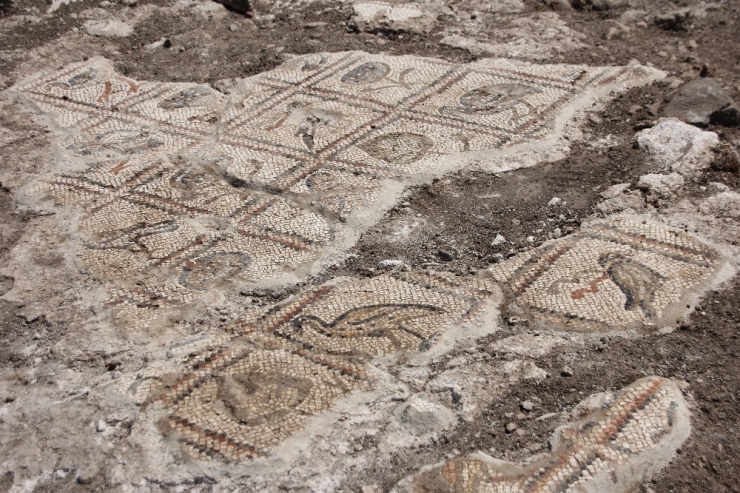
183, 187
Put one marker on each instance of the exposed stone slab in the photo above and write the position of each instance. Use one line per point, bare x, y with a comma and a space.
619, 440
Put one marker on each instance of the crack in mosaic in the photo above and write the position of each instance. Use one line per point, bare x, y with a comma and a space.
628, 426
184, 188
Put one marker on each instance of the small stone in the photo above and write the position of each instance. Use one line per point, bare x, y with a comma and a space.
391, 263
596, 119
496, 258
654, 108
566, 372
520, 431
555, 201
557, 233
515, 222
662, 54
498, 240
614, 190
692, 45
511, 427
631, 200
530, 239
521, 416
233, 27
676, 20
108, 29
100, 426
446, 255
528, 406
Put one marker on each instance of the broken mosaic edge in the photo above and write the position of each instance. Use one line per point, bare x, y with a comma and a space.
571, 465
717, 260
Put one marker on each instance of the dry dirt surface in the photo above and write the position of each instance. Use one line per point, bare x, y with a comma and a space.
369, 246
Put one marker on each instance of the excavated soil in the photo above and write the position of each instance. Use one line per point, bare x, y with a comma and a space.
450, 224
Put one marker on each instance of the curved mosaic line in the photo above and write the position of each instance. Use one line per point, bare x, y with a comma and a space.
184, 187
632, 434
621, 274
296, 359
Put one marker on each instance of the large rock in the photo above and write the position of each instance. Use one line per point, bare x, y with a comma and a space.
660, 186
701, 102
423, 414
630, 200
725, 204
679, 147
379, 16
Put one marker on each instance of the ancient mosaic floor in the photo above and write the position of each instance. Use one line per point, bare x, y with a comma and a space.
182, 187
183, 191
593, 454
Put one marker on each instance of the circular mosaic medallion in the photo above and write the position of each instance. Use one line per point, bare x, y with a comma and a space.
494, 97
404, 148
367, 73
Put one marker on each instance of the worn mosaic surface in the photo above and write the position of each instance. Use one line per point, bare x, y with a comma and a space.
613, 439
624, 273
294, 360
183, 187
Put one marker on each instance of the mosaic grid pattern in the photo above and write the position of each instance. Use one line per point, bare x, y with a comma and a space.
619, 274
184, 187
295, 359
634, 422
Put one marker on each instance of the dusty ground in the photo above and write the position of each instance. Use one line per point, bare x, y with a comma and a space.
459, 214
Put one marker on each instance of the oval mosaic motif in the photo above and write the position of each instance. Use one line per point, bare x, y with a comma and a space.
403, 148
367, 73
200, 272
494, 97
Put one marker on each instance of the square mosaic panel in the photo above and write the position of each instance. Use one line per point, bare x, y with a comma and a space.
294, 360
625, 273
